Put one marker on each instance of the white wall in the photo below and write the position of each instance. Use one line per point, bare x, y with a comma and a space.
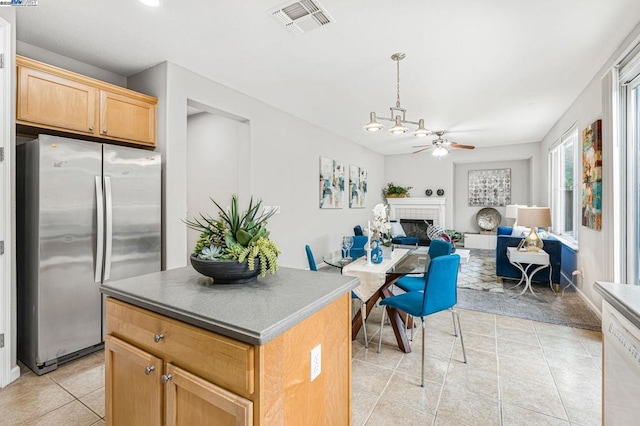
42, 55
464, 216
595, 254
212, 165
424, 171
281, 166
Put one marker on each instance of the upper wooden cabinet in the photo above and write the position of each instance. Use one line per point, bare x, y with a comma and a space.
53, 98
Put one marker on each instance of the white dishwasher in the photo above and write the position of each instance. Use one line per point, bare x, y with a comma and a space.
621, 358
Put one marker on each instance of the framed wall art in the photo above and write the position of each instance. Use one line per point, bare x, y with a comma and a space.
592, 176
331, 184
357, 187
489, 187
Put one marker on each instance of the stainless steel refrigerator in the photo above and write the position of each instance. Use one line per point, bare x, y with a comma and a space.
86, 213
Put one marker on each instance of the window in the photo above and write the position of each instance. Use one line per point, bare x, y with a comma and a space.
564, 193
633, 201
629, 79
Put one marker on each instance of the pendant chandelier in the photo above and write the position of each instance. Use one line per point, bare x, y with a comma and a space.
398, 114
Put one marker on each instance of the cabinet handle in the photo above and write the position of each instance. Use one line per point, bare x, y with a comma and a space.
148, 369
158, 337
104, 131
91, 128
165, 378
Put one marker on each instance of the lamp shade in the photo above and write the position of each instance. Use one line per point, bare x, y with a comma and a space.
511, 211
534, 216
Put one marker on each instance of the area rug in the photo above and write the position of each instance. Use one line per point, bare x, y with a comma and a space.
564, 309
480, 272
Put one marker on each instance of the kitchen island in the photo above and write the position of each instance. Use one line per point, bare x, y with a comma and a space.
182, 350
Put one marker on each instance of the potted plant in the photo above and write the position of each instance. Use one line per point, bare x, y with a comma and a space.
235, 247
454, 236
395, 191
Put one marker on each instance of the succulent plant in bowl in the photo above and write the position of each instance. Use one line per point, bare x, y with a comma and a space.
235, 236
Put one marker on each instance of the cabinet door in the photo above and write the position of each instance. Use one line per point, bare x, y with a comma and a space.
133, 389
192, 401
52, 101
127, 118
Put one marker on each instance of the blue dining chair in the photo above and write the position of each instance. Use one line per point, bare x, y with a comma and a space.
416, 283
311, 259
440, 292
363, 304
357, 250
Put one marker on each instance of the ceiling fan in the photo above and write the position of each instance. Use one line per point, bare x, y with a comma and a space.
441, 146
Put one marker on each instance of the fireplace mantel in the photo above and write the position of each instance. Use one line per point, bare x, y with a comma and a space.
418, 208
417, 201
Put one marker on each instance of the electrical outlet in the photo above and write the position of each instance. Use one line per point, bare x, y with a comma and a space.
316, 362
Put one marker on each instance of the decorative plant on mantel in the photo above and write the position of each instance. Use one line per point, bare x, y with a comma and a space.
395, 191
454, 236
236, 236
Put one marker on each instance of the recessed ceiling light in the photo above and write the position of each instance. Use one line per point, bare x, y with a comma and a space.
152, 3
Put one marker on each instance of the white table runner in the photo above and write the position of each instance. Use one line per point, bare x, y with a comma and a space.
372, 277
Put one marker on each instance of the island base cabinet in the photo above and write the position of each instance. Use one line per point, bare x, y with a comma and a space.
144, 396
210, 379
133, 385
191, 400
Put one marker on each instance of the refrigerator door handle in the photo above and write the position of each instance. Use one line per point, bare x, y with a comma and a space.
100, 226
109, 228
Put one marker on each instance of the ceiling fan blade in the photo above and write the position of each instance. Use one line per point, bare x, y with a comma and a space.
421, 146
420, 150
456, 145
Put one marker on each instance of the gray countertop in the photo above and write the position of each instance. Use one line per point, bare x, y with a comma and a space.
624, 297
253, 313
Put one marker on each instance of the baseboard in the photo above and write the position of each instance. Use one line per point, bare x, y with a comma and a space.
588, 302
14, 374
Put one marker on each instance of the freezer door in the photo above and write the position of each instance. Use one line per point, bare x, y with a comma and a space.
132, 212
68, 298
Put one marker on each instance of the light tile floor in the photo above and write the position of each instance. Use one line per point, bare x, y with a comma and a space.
519, 372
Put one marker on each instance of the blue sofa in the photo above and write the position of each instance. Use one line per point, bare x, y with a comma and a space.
406, 241
504, 269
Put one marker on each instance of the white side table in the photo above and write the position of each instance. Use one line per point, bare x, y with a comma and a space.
524, 260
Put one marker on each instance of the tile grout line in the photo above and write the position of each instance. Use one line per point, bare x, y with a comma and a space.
383, 389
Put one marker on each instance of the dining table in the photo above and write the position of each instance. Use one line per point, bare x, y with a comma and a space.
376, 281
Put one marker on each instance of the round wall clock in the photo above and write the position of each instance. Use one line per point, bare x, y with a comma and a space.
440, 192
428, 192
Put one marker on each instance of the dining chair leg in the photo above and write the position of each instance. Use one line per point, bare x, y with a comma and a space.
464, 353
455, 330
363, 312
424, 327
380, 332
406, 323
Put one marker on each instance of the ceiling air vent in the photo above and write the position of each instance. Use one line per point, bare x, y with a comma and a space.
301, 16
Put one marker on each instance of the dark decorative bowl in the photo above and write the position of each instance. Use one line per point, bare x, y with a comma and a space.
226, 271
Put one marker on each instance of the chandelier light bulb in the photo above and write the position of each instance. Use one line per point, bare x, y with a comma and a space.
398, 128
373, 125
421, 131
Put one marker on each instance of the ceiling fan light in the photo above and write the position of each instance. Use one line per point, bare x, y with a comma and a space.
440, 151
398, 128
421, 131
372, 125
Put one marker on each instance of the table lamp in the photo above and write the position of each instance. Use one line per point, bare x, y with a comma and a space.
534, 217
511, 212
